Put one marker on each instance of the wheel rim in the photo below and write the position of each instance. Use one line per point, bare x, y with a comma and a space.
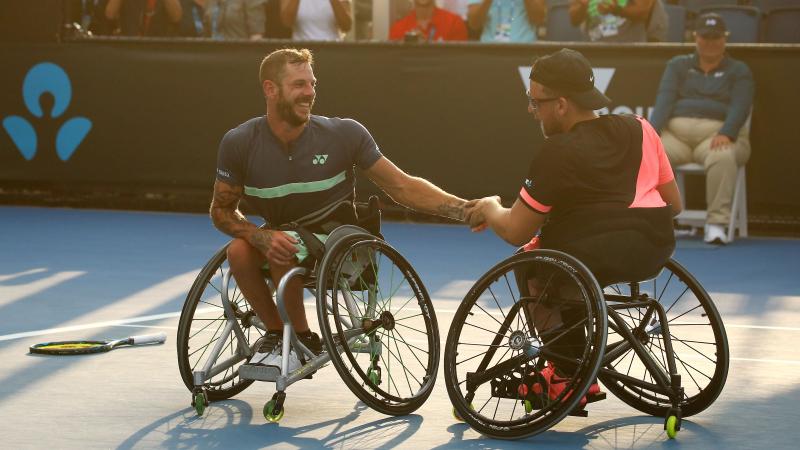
403, 340
494, 305
198, 335
698, 340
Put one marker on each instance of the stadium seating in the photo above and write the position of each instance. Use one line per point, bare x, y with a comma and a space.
559, 27
782, 25
768, 5
693, 7
676, 31
742, 21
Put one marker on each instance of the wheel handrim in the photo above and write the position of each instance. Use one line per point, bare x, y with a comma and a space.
391, 322
698, 340
509, 416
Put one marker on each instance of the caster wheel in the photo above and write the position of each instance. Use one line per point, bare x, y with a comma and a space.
457, 416
199, 401
528, 406
374, 376
270, 411
671, 427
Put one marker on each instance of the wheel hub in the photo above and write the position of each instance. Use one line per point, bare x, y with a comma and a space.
517, 340
387, 320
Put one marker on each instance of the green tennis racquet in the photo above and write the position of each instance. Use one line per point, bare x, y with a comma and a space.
86, 347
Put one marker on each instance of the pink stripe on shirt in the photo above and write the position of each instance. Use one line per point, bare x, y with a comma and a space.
653, 171
533, 203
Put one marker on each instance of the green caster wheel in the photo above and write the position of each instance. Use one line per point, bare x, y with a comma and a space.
671, 427
374, 376
528, 406
457, 416
270, 414
199, 402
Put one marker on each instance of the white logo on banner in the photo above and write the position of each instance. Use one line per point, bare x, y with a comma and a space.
602, 78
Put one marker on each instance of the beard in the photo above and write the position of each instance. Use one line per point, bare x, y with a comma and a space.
286, 110
550, 130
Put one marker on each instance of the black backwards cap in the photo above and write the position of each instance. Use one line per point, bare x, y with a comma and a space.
569, 73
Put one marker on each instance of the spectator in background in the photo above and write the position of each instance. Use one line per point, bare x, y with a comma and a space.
612, 20
275, 29
701, 109
317, 20
192, 21
236, 19
458, 7
506, 20
146, 17
428, 23
90, 15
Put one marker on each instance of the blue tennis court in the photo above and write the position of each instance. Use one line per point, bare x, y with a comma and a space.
90, 274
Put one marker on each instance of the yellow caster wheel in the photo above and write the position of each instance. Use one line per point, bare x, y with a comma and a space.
270, 414
671, 427
457, 416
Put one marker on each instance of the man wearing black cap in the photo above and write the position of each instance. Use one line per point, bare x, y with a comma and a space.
701, 111
600, 188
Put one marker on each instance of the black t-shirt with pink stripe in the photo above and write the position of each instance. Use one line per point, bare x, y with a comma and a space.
599, 180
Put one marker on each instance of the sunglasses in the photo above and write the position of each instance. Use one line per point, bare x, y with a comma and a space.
535, 102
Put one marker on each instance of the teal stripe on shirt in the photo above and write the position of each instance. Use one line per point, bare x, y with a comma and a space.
295, 188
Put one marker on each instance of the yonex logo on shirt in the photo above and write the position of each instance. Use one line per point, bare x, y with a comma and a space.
319, 159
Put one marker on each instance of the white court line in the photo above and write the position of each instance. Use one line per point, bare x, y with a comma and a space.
11, 276
779, 361
497, 314
88, 326
146, 326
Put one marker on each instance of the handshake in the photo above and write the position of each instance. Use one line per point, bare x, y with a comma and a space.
477, 212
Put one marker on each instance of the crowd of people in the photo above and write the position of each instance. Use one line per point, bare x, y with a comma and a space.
508, 21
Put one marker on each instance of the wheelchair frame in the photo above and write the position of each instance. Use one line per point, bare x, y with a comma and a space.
359, 335
654, 322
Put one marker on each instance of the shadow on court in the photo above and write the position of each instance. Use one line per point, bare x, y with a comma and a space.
233, 424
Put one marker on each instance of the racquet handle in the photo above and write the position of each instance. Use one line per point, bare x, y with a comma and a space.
149, 339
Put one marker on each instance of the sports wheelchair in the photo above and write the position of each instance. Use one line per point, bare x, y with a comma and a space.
376, 320
658, 345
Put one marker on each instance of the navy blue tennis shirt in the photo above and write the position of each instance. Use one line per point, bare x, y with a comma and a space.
284, 184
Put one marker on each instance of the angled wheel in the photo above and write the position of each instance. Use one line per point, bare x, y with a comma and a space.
370, 299
698, 337
201, 327
530, 311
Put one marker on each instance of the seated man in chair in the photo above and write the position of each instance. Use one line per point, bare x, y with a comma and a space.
701, 112
290, 164
600, 188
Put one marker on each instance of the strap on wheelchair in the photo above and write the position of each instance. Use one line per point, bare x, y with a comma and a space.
331, 217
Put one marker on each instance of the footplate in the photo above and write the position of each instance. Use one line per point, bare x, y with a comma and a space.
259, 373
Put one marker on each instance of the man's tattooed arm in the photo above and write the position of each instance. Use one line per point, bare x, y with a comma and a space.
453, 209
226, 217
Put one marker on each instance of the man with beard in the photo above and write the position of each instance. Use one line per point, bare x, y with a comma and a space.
600, 188
290, 164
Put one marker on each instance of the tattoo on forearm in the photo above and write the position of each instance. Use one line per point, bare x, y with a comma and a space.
261, 239
453, 210
224, 212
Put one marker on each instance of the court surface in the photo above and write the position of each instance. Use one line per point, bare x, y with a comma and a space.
84, 274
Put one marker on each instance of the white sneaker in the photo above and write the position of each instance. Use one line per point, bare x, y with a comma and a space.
715, 234
268, 352
294, 362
